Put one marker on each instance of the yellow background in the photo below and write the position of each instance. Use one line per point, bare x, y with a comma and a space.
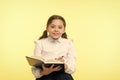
94, 25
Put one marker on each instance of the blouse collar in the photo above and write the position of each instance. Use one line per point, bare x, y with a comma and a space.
55, 40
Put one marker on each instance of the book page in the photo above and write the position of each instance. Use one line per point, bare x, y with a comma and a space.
53, 61
38, 57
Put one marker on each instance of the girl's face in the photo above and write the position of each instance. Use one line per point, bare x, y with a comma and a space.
56, 28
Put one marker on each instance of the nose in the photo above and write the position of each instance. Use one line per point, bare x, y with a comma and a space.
56, 29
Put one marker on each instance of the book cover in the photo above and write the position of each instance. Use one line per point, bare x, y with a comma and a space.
38, 61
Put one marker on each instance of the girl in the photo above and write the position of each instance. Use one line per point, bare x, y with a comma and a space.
54, 44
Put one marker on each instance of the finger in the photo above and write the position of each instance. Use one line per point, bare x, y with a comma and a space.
52, 66
57, 68
58, 58
43, 66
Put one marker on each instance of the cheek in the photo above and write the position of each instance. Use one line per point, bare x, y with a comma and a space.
49, 30
63, 31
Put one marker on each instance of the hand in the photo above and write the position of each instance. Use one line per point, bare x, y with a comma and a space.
60, 59
49, 70
65, 67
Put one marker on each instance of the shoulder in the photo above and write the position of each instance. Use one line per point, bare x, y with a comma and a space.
69, 41
40, 41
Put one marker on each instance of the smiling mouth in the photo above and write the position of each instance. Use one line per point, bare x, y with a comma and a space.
55, 34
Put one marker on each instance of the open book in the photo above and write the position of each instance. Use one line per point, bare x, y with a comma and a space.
38, 61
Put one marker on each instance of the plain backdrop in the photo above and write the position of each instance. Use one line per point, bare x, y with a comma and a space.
93, 25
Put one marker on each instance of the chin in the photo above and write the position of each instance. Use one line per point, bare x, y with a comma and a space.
55, 37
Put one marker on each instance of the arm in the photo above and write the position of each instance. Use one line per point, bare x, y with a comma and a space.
36, 72
37, 52
70, 60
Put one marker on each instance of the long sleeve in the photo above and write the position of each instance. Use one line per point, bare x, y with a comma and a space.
36, 72
37, 52
71, 59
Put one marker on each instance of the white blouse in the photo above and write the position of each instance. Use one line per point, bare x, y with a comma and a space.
50, 48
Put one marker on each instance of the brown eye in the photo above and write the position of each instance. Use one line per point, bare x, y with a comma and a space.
52, 26
60, 27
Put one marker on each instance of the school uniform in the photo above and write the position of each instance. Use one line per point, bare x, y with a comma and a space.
49, 48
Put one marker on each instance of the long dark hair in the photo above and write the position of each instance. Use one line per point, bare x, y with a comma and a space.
64, 35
